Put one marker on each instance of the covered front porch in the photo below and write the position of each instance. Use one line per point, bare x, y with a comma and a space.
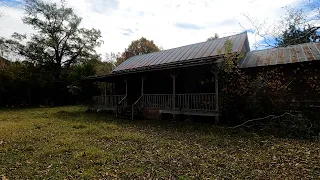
188, 91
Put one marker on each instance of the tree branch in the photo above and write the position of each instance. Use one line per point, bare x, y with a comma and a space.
263, 118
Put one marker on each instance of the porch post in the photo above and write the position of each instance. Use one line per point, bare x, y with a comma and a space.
105, 88
105, 93
142, 84
216, 84
126, 86
174, 91
216, 97
112, 88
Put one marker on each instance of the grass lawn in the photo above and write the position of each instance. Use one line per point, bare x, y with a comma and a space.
67, 143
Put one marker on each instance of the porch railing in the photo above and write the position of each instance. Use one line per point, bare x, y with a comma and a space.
195, 102
183, 102
158, 100
105, 102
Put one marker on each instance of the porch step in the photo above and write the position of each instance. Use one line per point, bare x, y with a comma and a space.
126, 113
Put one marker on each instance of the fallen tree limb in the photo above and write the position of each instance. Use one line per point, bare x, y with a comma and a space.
263, 118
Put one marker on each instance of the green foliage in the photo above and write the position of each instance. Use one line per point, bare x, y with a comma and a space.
67, 143
216, 36
294, 27
295, 35
59, 40
138, 47
55, 59
249, 94
231, 59
21, 83
254, 93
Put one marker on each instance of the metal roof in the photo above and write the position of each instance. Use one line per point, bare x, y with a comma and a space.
184, 54
282, 55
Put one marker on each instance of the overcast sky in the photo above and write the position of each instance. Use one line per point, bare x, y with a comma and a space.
170, 23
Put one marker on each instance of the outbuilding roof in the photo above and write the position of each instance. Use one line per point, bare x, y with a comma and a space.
282, 55
208, 50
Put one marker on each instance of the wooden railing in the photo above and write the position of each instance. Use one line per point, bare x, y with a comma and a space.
183, 102
201, 102
158, 100
110, 101
195, 102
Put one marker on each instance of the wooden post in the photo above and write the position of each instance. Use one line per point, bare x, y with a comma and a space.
105, 88
112, 89
142, 84
105, 94
174, 93
132, 112
216, 97
126, 86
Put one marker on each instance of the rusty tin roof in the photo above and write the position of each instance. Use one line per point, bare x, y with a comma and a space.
184, 54
282, 55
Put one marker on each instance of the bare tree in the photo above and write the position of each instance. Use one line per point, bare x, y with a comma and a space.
295, 24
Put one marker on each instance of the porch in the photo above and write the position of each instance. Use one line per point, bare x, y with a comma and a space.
164, 92
201, 104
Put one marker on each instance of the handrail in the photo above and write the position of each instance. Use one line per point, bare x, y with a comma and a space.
122, 100
138, 100
134, 104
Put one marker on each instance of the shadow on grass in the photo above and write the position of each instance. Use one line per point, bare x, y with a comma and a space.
201, 126
160, 126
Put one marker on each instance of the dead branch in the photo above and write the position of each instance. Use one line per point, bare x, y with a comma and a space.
263, 118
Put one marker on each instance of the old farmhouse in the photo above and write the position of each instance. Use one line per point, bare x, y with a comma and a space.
172, 81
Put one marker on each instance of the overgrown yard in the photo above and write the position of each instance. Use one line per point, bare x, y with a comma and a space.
66, 142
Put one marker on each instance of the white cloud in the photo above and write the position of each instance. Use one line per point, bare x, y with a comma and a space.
122, 21
11, 22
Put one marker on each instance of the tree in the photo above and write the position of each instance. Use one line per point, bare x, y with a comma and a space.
294, 27
59, 41
138, 47
216, 36
295, 35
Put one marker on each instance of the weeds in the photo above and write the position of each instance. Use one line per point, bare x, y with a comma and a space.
67, 143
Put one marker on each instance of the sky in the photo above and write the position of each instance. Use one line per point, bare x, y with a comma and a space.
170, 23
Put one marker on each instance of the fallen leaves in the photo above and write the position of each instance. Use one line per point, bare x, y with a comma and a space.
146, 150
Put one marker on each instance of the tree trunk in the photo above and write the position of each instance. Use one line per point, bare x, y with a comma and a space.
57, 72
